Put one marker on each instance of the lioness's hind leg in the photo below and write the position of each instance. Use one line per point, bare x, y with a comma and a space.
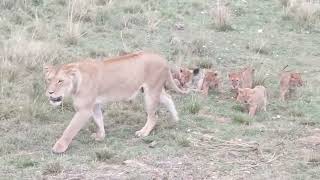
151, 102
167, 101
98, 119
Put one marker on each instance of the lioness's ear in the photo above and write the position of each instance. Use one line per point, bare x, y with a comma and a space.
72, 71
47, 69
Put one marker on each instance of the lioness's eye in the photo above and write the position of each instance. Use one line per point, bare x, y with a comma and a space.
60, 81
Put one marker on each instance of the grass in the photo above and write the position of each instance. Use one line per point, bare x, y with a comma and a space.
222, 17
52, 168
214, 139
305, 13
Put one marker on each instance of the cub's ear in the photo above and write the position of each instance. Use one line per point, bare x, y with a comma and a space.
240, 90
196, 71
215, 73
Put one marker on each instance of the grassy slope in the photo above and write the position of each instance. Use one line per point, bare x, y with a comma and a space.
199, 146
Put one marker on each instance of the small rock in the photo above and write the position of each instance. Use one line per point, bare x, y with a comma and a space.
179, 26
153, 144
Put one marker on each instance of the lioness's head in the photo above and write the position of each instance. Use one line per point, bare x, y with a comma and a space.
234, 79
60, 81
295, 80
244, 95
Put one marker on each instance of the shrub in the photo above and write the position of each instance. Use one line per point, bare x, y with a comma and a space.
222, 17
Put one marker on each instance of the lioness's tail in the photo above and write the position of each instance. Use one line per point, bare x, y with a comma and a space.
173, 85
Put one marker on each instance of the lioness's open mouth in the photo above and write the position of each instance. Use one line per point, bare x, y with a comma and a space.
57, 99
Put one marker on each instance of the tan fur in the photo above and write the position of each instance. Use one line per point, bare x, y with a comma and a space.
185, 76
242, 79
92, 82
289, 81
210, 81
255, 98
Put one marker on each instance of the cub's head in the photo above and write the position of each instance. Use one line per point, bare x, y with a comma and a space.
295, 80
244, 95
60, 82
234, 79
211, 78
185, 75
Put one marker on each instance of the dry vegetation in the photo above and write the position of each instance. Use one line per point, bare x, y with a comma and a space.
222, 17
305, 12
215, 138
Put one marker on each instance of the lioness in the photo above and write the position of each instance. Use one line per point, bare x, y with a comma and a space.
241, 79
92, 82
289, 81
209, 81
255, 98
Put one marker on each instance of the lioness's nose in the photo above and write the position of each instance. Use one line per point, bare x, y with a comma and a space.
50, 92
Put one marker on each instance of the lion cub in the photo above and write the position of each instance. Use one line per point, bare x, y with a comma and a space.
241, 79
182, 76
255, 98
289, 81
209, 81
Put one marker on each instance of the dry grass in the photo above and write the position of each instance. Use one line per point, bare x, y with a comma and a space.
77, 12
199, 146
305, 12
222, 17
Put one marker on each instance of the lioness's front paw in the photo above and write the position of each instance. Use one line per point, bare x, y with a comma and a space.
98, 136
142, 133
59, 147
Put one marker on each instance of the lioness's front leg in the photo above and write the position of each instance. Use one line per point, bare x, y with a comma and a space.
78, 121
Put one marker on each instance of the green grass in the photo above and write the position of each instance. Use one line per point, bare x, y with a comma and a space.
37, 32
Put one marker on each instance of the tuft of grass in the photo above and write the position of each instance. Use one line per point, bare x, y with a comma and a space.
205, 64
222, 17
284, 3
24, 162
104, 154
305, 13
313, 158
241, 118
52, 169
297, 113
238, 107
199, 47
259, 80
182, 141
193, 106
